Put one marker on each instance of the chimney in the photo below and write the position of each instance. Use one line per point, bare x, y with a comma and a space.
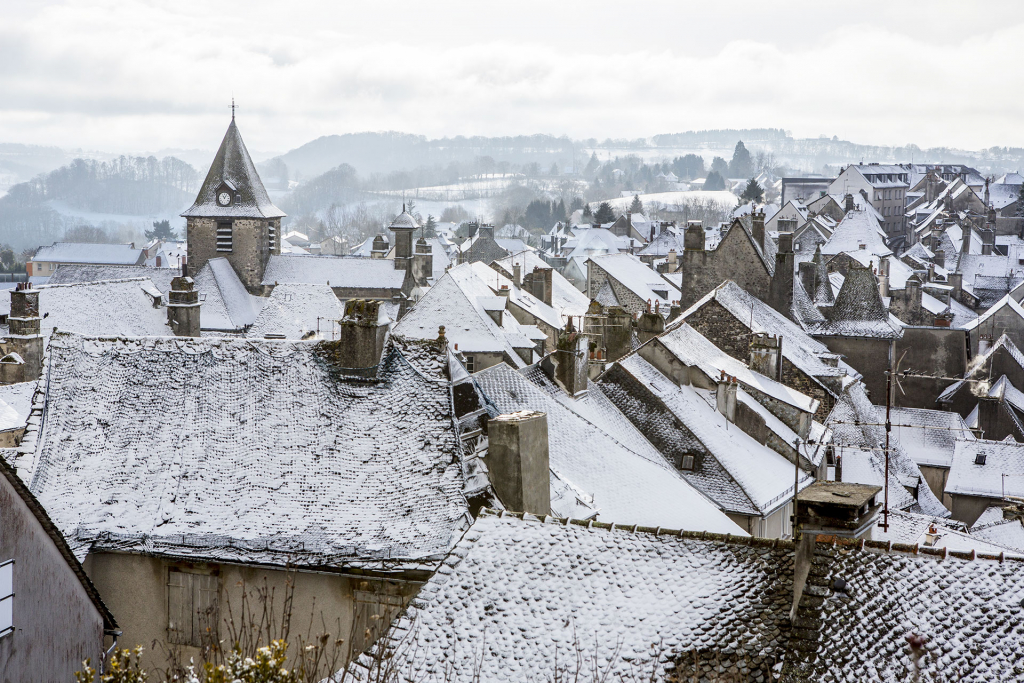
23, 353
517, 461
617, 333
765, 350
184, 266
650, 324
380, 247
809, 277
940, 258
673, 260
570, 357
517, 274
487, 231
828, 508
780, 290
540, 283
727, 397
988, 241
956, 281
159, 261
988, 415
693, 238
422, 263
472, 228
849, 203
912, 298
757, 227
183, 308
360, 342
965, 244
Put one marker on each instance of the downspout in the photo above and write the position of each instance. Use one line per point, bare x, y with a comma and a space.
115, 634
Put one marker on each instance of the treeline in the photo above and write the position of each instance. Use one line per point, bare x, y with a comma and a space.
127, 185
725, 137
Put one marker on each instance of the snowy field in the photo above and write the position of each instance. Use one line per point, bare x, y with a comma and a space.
672, 200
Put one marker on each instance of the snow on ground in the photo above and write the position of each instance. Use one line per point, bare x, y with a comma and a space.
674, 199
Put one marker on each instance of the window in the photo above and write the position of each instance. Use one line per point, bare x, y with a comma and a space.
686, 462
377, 604
979, 459
469, 365
223, 235
6, 598
192, 613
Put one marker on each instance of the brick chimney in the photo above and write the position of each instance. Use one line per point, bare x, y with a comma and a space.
518, 461
360, 342
183, 308
23, 354
650, 324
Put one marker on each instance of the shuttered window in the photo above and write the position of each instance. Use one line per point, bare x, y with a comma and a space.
192, 613
224, 236
377, 604
6, 598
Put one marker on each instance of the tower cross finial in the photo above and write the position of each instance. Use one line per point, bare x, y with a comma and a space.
233, 108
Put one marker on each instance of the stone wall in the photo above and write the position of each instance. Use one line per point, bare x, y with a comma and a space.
735, 259
935, 351
250, 247
869, 357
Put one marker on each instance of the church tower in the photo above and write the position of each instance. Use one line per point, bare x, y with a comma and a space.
233, 216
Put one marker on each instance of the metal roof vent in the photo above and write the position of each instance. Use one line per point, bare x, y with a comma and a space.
979, 459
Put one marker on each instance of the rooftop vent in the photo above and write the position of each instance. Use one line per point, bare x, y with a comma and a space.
979, 459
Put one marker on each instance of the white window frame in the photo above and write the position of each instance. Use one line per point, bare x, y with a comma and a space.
6, 598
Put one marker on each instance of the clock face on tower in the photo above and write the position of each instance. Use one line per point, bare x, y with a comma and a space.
223, 199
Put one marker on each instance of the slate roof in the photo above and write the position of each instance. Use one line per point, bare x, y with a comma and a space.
859, 311
1002, 473
78, 252
806, 353
299, 312
69, 274
668, 239
914, 529
232, 167
226, 305
993, 527
856, 228
111, 308
525, 600
336, 271
737, 472
262, 452
592, 446
17, 403
859, 439
928, 436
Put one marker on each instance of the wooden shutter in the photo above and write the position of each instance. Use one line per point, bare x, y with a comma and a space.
204, 612
179, 606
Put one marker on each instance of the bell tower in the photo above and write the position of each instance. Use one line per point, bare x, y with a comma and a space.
233, 216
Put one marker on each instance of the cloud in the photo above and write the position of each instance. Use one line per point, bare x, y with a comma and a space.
129, 75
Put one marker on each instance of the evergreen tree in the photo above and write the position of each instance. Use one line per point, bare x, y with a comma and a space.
636, 206
558, 211
592, 165
605, 214
741, 165
1020, 202
689, 166
430, 228
586, 212
714, 182
161, 231
720, 166
752, 193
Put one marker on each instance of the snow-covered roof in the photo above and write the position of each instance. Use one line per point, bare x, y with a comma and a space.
336, 271
993, 527
911, 528
856, 229
1007, 303
859, 440
593, 446
565, 298
741, 475
806, 353
68, 274
233, 171
226, 305
114, 308
859, 311
593, 242
403, 221
636, 276
928, 436
208, 449
527, 599
298, 312
78, 252
17, 403
1000, 472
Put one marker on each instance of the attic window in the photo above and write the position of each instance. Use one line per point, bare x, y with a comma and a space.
686, 462
6, 598
979, 459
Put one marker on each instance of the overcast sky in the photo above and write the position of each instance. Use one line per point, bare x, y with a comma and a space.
129, 75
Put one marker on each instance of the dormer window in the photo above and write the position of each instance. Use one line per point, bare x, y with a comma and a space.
979, 459
686, 462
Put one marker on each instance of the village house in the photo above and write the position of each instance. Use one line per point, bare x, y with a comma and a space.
984, 473
885, 187
624, 280
47, 259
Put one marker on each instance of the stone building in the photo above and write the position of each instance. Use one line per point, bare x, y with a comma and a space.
233, 216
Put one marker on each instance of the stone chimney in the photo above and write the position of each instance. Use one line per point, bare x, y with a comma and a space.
780, 290
570, 358
828, 508
487, 231
988, 241
940, 258
23, 354
693, 238
787, 225
673, 260
518, 462
540, 283
849, 206
183, 308
809, 277
650, 324
727, 387
360, 342
380, 247
965, 244
517, 274
422, 263
956, 281
766, 354
757, 227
